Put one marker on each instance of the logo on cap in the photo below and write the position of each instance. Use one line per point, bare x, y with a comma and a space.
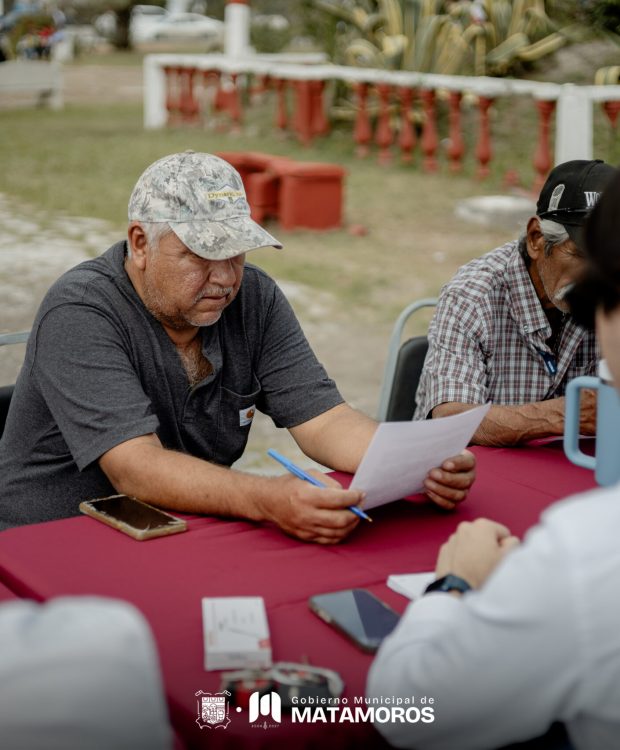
556, 196
215, 195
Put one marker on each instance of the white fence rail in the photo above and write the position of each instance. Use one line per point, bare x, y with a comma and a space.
573, 104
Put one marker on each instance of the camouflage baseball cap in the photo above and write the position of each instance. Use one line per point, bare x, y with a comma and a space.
202, 198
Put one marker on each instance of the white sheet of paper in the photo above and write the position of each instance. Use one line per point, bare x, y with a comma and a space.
411, 585
401, 454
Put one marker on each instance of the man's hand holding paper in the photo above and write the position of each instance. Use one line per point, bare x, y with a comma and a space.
448, 485
403, 457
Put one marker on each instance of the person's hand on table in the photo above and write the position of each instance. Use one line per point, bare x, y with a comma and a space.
448, 484
314, 514
474, 550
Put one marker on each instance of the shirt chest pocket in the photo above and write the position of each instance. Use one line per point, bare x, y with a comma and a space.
235, 417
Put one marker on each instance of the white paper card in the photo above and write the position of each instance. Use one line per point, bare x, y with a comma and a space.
411, 585
236, 633
401, 454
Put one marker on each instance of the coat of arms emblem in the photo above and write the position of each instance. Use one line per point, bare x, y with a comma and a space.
212, 710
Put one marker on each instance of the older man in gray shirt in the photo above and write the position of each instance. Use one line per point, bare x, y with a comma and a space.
145, 366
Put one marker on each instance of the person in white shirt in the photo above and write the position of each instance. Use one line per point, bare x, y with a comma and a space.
537, 638
79, 673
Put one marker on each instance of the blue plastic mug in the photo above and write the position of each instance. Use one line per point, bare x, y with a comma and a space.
606, 462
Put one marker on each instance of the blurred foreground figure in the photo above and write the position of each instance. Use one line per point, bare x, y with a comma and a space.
79, 674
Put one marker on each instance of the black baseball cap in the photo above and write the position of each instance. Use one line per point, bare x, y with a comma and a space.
571, 192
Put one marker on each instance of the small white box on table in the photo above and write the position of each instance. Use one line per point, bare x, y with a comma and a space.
236, 633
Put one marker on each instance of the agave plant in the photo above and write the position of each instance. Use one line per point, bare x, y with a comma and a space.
607, 76
480, 37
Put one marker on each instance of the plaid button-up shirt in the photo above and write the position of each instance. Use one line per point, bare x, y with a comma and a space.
488, 337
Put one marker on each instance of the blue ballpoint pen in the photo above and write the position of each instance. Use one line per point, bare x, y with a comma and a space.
301, 474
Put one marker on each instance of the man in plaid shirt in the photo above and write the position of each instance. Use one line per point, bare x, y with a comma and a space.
502, 330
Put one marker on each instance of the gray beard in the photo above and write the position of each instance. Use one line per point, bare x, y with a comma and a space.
155, 304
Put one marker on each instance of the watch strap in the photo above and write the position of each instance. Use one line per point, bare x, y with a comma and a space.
450, 582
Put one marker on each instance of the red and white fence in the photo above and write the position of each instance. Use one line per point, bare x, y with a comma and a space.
178, 88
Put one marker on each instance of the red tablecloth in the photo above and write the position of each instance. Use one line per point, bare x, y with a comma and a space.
6, 594
167, 577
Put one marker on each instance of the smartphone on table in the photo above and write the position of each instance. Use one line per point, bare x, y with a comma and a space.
358, 614
132, 516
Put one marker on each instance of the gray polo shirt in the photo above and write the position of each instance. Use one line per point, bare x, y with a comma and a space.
100, 370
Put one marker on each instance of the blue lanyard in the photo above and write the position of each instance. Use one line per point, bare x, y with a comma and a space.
550, 362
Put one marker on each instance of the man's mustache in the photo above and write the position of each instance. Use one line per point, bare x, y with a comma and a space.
214, 291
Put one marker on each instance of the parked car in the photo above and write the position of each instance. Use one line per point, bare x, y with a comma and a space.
142, 19
185, 26
155, 11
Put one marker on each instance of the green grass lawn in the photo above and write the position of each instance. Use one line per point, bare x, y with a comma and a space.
84, 161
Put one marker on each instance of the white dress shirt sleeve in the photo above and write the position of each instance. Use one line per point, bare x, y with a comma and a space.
500, 664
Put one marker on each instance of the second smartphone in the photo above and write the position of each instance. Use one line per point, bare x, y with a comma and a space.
358, 614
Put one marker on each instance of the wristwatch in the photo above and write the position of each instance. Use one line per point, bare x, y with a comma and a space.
448, 583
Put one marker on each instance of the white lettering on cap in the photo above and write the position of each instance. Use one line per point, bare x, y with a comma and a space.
591, 198
556, 196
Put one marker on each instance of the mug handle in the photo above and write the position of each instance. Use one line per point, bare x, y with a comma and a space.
571, 421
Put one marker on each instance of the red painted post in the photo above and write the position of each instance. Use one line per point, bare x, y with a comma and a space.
383, 134
188, 104
219, 98
171, 99
362, 132
234, 101
542, 156
303, 114
484, 151
406, 137
456, 149
295, 121
281, 119
320, 123
612, 109
430, 139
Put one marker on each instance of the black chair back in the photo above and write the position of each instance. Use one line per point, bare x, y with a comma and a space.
409, 365
6, 391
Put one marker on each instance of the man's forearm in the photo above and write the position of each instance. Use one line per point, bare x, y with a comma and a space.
142, 467
180, 482
511, 425
337, 438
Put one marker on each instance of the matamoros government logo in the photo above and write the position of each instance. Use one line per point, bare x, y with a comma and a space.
212, 710
267, 706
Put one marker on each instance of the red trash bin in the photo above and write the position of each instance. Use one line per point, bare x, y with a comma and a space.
260, 178
311, 194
